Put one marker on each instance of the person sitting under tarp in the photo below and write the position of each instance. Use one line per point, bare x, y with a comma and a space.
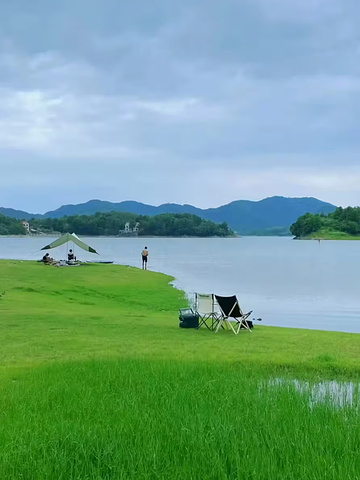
48, 260
71, 256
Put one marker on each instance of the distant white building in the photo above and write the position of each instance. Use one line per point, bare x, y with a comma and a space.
128, 230
26, 225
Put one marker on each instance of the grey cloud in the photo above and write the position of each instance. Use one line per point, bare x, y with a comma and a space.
222, 89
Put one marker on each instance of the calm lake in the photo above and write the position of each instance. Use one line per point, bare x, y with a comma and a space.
288, 283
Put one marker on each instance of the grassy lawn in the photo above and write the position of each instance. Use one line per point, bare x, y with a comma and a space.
325, 234
97, 381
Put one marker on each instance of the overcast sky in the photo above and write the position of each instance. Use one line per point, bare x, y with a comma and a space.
191, 101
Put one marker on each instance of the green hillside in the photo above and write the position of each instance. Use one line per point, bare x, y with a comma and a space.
271, 216
343, 224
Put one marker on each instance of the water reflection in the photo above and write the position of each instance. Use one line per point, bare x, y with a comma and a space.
337, 394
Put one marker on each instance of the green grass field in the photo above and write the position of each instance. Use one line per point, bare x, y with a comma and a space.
97, 381
325, 234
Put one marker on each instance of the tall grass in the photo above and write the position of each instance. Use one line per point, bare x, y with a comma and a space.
169, 420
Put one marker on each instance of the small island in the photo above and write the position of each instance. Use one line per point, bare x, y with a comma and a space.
342, 224
119, 224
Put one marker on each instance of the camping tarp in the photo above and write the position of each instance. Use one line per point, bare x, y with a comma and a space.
70, 237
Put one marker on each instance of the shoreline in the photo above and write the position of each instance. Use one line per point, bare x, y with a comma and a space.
324, 234
329, 239
187, 294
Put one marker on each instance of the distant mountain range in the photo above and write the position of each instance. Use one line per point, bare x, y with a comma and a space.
272, 215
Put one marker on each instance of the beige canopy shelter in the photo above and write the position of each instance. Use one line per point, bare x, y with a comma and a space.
70, 237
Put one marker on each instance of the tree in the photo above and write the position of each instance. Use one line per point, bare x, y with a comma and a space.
111, 223
305, 225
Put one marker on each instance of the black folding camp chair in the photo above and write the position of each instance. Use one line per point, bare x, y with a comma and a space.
231, 313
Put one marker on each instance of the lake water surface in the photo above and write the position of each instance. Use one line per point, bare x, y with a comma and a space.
288, 283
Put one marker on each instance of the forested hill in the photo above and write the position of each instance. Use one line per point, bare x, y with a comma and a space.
272, 215
113, 223
343, 223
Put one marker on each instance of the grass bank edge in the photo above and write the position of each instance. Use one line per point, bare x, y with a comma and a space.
329, 235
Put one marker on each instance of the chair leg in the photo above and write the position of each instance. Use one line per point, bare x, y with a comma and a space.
214, 322
233, 329
201, 324
246, 325
203, 321
220, 322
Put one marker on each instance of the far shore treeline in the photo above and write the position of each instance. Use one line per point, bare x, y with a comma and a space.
11, 226
113, 223
342, 223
